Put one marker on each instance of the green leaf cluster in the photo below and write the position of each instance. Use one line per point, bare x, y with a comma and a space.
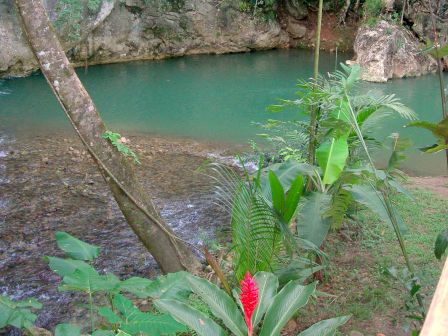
114, 139
275, 308
18, 313
122, 317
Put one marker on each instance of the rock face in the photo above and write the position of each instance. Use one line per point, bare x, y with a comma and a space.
387, 51
121, 30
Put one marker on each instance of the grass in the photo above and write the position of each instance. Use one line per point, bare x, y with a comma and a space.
361, 254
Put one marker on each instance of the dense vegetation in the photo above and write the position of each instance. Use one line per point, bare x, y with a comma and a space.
315, 177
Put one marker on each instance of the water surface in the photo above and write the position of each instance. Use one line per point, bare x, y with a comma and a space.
207, 97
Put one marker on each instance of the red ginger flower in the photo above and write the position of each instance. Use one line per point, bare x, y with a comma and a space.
249, 299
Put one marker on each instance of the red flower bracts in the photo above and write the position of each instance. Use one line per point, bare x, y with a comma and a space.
249, 299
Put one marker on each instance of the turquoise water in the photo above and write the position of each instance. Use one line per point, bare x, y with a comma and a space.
204, 97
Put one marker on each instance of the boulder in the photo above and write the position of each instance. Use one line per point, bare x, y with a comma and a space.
387, 51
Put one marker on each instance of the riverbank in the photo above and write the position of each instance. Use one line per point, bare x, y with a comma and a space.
49, 183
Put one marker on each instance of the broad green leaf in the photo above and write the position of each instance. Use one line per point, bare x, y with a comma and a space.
17, 313
286, 173
220, 303
137, 286
277, 193
103, 333
63, 267
170, 286
331, 157
267, 288
67, 329
372, 199
441, 244
76, 248
192, 318
325, 327
122, 333
293, 198
137, 322
297, 270
285, 304
312, 224
109, 315
89, 281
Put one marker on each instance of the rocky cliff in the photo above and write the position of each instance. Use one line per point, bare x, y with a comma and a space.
106, 31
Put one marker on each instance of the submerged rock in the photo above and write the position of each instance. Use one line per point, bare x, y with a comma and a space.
387, 51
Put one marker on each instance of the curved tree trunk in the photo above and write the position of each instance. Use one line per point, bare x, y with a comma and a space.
170, 253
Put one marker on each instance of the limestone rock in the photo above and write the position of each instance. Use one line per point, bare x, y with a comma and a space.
387, 51
296, 9
124, 30
295, 28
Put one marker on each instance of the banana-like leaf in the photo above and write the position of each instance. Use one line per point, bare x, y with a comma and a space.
441, 244
293, 198
325, 327
76, 248
267, 288
277, 193
284, 305
331, 157
192, 318
372, 199
220, 303
67, 329
312, 224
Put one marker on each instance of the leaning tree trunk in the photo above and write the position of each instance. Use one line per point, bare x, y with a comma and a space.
170, 253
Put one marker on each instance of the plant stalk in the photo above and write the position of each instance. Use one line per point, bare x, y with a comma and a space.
439, 71
386, 203
92, 324
314, 109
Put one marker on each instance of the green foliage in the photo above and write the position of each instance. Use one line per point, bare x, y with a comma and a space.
130, 319
67, 329
313, 224
262, 207
275, 309
122, 316
325, 327
441, 244
373, 10
440, 132
284, 305
331, 157
18, 313
116, 140
70, 14
75, 248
